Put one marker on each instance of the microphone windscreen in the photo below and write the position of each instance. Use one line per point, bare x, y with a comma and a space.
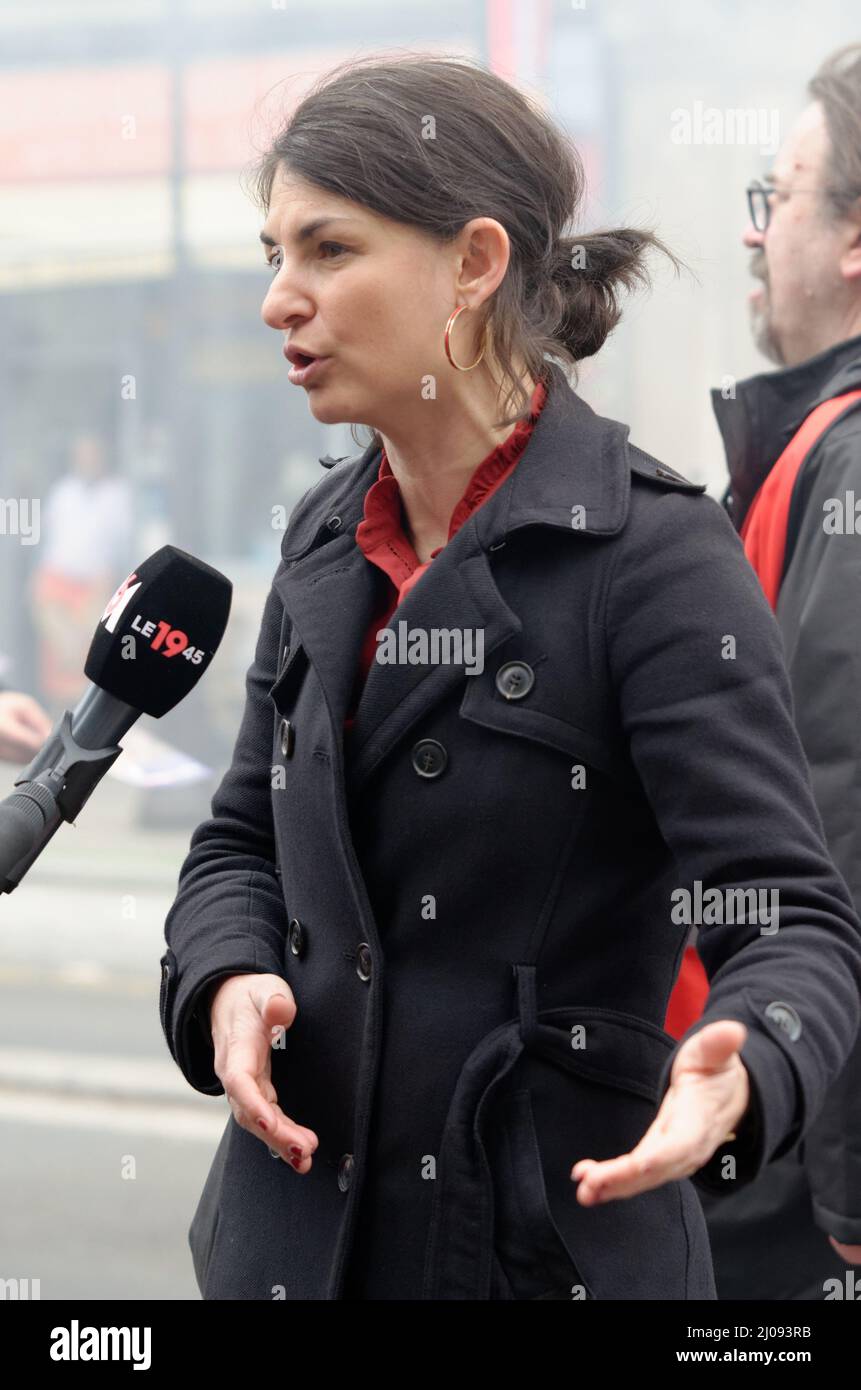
160, 631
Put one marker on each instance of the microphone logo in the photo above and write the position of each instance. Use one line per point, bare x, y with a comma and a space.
117, 605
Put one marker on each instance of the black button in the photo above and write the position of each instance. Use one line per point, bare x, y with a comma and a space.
515, 679
363, 961
334, 523
165, 971
785, 1017
296, 936
287, 737
429, 757
345, 1172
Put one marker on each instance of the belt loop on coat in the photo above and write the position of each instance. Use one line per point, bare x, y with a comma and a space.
526, 1001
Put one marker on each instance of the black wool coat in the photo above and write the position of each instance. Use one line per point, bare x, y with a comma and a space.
473, 901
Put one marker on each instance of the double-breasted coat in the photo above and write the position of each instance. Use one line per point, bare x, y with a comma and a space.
479, 901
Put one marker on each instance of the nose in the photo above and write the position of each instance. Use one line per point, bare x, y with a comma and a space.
752, 238
281, 304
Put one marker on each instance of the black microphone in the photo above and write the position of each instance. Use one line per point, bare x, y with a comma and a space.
155, 639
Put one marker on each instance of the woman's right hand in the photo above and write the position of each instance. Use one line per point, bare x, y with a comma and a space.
246, 1014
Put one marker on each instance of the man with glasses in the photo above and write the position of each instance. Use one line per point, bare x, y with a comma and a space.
795, 1232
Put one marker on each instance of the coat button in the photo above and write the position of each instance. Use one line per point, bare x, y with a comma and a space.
429, 757
515, 679
287, 736
165, 971
296, 936
363, 961
334, 523
345, 1171
785, 1017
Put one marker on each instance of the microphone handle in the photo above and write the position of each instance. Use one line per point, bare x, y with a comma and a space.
60, 778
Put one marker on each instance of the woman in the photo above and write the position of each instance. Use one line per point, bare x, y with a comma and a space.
426, 940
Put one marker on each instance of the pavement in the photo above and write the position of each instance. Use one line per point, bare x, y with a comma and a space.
89, 916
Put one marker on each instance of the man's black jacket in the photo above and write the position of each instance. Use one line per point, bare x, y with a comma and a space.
819, 615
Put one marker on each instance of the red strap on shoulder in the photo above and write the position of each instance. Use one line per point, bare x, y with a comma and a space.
764, 529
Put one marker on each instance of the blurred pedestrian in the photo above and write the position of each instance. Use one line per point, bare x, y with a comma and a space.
87, 537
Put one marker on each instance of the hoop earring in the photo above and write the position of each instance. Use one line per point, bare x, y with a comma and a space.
448, 329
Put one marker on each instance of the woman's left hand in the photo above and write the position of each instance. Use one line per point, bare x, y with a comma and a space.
709, 1092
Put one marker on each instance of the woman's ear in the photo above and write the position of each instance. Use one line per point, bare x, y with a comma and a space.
486, 251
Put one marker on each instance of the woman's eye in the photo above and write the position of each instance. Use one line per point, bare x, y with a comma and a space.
335, 247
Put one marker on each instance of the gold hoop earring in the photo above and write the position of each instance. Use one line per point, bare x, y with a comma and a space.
448, 329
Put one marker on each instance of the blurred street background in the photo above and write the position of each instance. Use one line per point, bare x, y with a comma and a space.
134, 362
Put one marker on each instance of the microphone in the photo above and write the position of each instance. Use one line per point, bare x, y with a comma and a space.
156, 637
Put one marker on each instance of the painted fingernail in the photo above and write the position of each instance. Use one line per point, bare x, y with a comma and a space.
296, 1162
294, 1149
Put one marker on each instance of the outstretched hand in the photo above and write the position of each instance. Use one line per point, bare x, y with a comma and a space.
247, 1014
709, 1092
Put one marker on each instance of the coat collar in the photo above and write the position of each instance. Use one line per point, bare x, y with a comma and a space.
574, 458
767, 410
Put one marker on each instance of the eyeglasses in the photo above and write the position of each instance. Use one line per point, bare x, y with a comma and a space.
758, 195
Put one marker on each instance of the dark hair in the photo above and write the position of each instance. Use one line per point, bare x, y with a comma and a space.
434, 141
837, 86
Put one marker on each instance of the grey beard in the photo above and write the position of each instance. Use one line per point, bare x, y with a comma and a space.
763, 335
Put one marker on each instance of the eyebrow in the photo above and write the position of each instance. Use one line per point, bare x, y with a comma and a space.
308, 230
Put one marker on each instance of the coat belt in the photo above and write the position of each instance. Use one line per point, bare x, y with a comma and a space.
624, 1052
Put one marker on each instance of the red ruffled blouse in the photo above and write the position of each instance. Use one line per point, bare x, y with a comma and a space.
381, 538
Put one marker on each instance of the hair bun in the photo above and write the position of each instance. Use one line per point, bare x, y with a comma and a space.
588, 272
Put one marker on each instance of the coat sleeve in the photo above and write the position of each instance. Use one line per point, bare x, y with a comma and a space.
704, 700
228, 916
823, 642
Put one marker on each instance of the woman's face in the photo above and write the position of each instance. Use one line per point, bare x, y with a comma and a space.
369, 294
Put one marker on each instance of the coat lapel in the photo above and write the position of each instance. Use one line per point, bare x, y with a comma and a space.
329, 596
572, 475
458, 592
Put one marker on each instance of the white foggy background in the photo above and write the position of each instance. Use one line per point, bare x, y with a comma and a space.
134, 259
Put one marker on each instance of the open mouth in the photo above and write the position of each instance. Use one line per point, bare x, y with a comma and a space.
305, 367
